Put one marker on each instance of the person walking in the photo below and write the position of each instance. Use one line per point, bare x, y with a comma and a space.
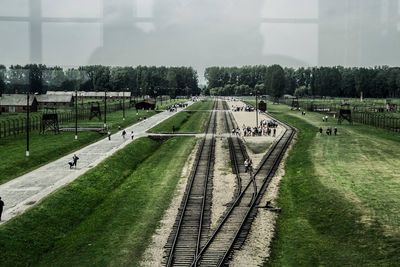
335, 131
132, 135
123, 134
274, 132
109, 135
75, 160
246, 165
1, 207
320, 130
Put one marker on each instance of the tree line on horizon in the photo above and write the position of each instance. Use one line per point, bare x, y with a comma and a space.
338, 81
141, 80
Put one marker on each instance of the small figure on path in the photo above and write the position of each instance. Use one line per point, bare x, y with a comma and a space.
75, 160
132, 135
320, 130
274, 132
246, 165
1, 207
335, 131
250, 165
123, 134
173, 128
109, 135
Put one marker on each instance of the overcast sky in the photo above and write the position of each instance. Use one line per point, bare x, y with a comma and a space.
200, 33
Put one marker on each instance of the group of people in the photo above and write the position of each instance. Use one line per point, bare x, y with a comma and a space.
329, 130
248, 165
123, 134
325, 118
74, 161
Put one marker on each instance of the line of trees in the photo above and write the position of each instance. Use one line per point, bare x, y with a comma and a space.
338, 81
141, 80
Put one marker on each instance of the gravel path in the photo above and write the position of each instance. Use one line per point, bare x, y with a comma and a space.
257, 248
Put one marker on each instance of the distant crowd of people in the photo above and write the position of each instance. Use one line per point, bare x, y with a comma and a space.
266, 128
242, 108
329, 130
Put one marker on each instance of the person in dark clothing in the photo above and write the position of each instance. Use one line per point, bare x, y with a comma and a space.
123, 134
335, 131
320, 130
1, 207
75, 160
173, 128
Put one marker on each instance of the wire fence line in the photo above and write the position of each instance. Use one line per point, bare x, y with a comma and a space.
16, 126
368, 115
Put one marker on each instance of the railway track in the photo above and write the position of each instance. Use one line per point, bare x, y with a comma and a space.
193, 221
191, 242
232, 231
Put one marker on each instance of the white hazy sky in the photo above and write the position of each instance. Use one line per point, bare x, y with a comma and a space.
200, 33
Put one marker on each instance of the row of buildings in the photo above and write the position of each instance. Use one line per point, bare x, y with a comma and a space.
10, 103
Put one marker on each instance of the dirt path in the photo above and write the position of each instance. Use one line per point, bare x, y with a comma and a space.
256, 250
224, 182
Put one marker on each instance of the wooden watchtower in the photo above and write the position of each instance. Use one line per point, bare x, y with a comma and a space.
95, 111
345, 114
295, 103
50, 121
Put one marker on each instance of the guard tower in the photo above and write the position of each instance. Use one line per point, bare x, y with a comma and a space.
345, 113
95, 110
295, 103
50, 121
262, 105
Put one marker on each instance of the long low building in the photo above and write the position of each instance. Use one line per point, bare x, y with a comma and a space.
10, 103
92, 95
55, 101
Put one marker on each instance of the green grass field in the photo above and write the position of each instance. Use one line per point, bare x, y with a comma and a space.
104, 218
202, 105
184, 122
340, 196
49, 147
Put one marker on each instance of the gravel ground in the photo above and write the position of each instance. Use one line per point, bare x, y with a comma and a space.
153, 256
224, 183
256, 249
249, 119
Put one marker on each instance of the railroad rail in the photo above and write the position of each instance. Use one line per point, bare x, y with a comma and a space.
193, 223
232, 231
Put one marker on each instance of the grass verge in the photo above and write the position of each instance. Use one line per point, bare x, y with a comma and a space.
104, 218
202, 105
323, 222
184, 122
48, 147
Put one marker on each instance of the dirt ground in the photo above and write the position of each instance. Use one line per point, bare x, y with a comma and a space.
224, 182
256, 249
153, 256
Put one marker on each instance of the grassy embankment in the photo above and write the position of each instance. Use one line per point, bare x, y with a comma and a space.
340, 196
187, 122
49, 147
104, 218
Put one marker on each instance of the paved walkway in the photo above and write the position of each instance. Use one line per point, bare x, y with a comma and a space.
25, 191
